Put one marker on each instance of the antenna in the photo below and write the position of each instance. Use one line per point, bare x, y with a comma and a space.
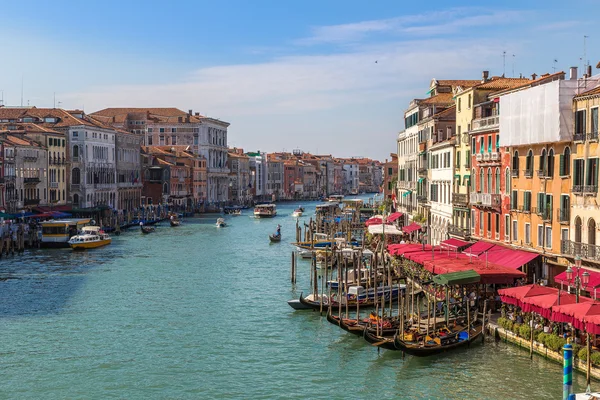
2, 99
54, 100
21, 90
513, 69
585, 60
504, 63
554, 66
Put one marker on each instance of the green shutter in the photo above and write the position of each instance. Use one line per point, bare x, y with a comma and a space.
596, 173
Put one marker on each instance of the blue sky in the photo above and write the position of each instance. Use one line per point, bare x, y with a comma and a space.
285, 74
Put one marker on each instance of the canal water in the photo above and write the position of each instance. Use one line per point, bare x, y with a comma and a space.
200, 312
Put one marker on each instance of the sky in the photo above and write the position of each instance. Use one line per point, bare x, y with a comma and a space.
328, 77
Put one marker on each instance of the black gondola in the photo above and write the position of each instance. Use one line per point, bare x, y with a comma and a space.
175, 222
385, 342
448, 342
275, 238
147, 229
353, 327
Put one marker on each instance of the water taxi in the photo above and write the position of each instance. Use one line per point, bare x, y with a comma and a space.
90, 237
265, 211
335, 198
56, 233
221, 223
297, 213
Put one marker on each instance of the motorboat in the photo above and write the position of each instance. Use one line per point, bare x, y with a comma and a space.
90, 237
221, 223
297, 213
303, 253
237, 213
265, 211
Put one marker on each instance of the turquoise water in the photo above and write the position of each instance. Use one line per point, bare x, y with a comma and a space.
200, 312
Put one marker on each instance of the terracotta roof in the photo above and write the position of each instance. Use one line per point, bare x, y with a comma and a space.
163, 162
592, 92
529, 83
465, 83
499, 83
20, 141
157, 115
448, 112
27, 127
442, 98
63, 117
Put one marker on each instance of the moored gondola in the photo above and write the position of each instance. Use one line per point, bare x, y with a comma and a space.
385, 342
440, 344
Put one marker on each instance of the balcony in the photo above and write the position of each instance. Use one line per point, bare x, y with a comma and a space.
31, 181
514, 173
544, 213
495, 156
528, 173
582, 137
465, 139
486, 156
564, 215
31, 202
542, 174
407, 185
422, 171
485, 124
53, 185
586, 190
479, 156
488, 200
474, 198
584, 250
421, 198
104, 185
456, 230
460, 199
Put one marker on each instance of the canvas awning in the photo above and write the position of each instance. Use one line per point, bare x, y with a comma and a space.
457, 278
373, 221
454, 244
384, 229
393, 216
515, 295
543, 304
406, 193
411, 228
509, 257
479, 248
575, 314
594, 279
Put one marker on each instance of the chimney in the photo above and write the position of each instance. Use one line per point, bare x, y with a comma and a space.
197, 114
190, 112
573, 73
484, 76
533, 76
589, 71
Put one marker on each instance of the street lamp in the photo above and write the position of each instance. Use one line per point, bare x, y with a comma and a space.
580, 282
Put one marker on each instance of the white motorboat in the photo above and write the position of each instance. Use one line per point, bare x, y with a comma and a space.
221, 223
265, 211
304, 253
90, 237
297, 213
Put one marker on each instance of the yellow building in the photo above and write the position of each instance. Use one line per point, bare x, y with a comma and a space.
584, 215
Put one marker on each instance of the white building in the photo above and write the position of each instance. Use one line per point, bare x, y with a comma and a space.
408, 150
351, 176
440, 189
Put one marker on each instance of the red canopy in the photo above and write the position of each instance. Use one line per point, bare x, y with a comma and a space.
453, 243
402, 249
510, 257
592, 324
574, 314
478, 248
411, 228
393, 216
594, 277
515, 295
374, 221
543, 304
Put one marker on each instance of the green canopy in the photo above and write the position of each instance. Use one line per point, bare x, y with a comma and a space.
406, 194
457, 278
420, 180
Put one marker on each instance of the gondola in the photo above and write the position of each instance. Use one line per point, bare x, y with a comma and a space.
333, 319
449, 342
385, 342
275, 238
175, 222
365, 299
147, 229
353, 327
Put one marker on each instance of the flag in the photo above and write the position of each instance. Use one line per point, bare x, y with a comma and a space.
394, 203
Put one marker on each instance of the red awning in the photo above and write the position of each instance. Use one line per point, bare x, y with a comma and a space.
374, 221
543, 304
509, 257
411, 228
402, 249
454, 243
592, 324
393, 216
594, 277
478, 248
574, 314
515, 295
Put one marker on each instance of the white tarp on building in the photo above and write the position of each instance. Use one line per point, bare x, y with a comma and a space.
388, 230
541, 114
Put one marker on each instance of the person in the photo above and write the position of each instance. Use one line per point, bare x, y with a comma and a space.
278, 230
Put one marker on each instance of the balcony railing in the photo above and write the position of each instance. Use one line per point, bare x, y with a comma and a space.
584, 250
585, 189
544, 213
474, 198
495, 156
456, 230
524, 209
31, 180
487, 123
460, 199
486, 156
53, 185
31, 202
422, 171
528, 173
514, 173
563, 215
492, 200
408, 185
479, 156
542, 173
582, 136
421, 198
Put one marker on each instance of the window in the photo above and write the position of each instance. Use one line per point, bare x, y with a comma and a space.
149, 140
592, 172
173, 130
161, 140
526, 201
472, 219
507, 181
457, 159
489, 181
580, 122
75, 176
459, 104
497, 142
480, 223
507, 225
514, 200
75, 134
150, 130
75, 151
469, 103
481, 182
468, 159
489, 144
550, 164
564, 167
578, 172
515, 236
162, 130
540, 236
481, 144
497, 180
594, 121
174, 139
497, 230
542, 161
529, 162
548, 236
527, 233
489, 222
515, 161
474, 145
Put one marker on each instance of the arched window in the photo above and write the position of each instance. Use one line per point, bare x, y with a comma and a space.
489, 181
459, 104
481, 182
507, 181
497, 181
515, 161
529, 162
577, 236
165, 188
592, 238
75, 176
550, 164
542, 161
75, 151
565, 167
76, 199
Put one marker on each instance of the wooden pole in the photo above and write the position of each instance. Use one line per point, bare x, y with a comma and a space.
468, 320
293, 277
483, 321
588, 369
531, 337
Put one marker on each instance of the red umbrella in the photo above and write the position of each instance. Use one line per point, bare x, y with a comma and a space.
574, 314
543, 304
515, 295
